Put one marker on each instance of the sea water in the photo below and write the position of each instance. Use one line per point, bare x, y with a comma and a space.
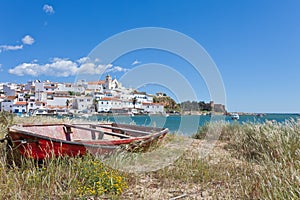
189, 124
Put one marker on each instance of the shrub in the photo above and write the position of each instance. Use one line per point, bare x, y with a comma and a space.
95, 179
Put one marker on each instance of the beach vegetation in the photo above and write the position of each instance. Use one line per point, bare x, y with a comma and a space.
248, 161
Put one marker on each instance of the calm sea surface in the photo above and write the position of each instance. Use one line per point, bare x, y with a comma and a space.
188, 124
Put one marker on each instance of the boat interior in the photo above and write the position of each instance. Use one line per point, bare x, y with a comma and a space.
90, 132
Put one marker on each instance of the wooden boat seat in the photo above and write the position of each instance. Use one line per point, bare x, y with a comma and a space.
68, 132
93, 130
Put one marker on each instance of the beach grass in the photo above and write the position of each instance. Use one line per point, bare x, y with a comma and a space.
249, 161
272, 153
56, 178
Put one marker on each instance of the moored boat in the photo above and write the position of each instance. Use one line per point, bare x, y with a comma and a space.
52, 140
235, 116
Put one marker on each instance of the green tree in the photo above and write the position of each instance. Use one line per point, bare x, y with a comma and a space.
95, 103
134, 101
68, 103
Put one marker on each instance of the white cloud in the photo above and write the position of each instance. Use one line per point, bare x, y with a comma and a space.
117, 69
48, 9
87, 59
83, 60
62, 67
28, 40
57, 67
91, 68
136, 62
10, 47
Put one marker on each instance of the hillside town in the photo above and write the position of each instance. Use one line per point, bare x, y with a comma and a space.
95, 97
49, 98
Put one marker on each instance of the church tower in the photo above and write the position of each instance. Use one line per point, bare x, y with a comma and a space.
108, 81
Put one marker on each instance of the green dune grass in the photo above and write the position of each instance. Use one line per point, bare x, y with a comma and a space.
250, 161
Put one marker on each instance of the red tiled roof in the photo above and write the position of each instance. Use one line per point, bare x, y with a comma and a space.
40, 102
21, 103
109, 99
10, 97
48, 86
56, 107
96, 82
146, 103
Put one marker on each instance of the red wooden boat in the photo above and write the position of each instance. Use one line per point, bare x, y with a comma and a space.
48, 140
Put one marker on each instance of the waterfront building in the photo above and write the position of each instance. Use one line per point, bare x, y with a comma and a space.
83, 103
19, 107
10, 89
7, 103
34, 105
97, 96
153, 108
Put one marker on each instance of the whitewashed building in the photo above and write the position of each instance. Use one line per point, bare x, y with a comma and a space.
45, 86
10, 89
68, 87
111, 84
30, 85
59, 101
19, 107
1, 88
96, 86
34, 105
106, 104
40, 96
98, 95
7, 103
153, 108
83, 103
142, 97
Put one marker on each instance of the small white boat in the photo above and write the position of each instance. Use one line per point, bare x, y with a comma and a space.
235, 116
43, 112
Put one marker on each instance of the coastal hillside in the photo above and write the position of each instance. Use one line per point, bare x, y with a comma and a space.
169, 103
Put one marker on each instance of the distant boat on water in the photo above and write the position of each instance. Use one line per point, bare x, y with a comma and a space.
235, 116
260, 115
42, 111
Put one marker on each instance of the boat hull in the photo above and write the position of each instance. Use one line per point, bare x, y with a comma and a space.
31, 144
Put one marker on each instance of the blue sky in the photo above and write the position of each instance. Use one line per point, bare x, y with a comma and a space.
255, 44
